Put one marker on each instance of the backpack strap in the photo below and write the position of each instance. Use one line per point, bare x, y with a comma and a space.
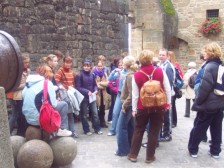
149, 76
45, 89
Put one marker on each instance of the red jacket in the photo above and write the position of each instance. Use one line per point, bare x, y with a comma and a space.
141, 78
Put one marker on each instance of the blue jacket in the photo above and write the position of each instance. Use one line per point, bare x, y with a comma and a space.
84, 83
33, 97
206, 100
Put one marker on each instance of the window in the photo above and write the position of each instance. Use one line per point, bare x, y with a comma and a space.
212, 13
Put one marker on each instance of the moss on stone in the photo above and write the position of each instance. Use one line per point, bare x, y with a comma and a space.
168, 7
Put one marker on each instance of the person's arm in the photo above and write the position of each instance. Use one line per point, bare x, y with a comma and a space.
128, 90
167, 88
114, 75
135, 95
78, 84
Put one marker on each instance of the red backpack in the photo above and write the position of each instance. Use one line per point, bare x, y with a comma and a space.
50, 119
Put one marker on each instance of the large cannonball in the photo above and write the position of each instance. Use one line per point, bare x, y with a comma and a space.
17, 142
36, 133
35, 154
11, 64
64, 150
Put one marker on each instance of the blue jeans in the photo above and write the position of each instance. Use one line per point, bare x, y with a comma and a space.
124, 130
94, 116
62, 108
71, 122
113, 98
116, 112
14, 114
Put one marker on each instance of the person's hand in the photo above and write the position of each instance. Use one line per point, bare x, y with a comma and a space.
134, 113
169, 106
90, 93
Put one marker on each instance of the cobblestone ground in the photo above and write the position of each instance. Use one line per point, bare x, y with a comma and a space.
97, 151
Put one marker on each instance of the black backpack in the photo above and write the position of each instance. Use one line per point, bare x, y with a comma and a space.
191, 80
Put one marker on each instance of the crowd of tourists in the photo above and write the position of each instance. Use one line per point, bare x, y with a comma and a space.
118, 88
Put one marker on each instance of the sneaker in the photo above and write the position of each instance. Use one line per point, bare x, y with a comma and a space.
110, 134
109, 122
89, 133
144, 145
64, 132
166, 139
193, 155
99, 132
213, 156
74, 134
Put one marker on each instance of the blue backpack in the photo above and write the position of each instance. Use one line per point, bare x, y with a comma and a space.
178, 82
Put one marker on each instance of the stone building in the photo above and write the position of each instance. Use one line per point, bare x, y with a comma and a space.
150, 25
94, 27
81, 28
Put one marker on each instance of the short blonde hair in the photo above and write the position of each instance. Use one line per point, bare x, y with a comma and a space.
145, 58
213, 50
129, 61
48, 58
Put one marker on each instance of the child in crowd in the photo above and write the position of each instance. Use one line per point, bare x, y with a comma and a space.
16, 100
64, 78
86, 84
125, 124
102, 96
33, 99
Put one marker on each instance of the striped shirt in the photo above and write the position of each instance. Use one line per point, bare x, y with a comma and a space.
65, 77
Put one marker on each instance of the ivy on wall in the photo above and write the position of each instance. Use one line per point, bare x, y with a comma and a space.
168, 7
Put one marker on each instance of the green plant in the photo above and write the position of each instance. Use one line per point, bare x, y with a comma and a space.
211, 26
168, 7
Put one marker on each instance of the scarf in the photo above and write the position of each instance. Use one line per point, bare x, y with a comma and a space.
99, 72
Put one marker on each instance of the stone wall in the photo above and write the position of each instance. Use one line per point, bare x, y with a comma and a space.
147, 29
80, 27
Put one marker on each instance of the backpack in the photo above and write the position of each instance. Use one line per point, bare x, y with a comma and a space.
49, 118
113, 85
219, 86
151, 93
191, 80
178, 82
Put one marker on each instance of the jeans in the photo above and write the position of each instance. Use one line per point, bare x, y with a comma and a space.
116, 112
14, 114
174, 111
201, 123
62, 108
113, 98
124, 130
21, 120
155, 116
167, 124
94, 116
71, 122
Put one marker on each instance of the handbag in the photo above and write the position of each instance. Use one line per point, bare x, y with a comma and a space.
49, 119
178, 93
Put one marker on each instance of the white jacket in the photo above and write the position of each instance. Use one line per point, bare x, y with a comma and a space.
189, 92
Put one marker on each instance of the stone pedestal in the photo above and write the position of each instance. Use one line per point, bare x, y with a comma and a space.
6, 155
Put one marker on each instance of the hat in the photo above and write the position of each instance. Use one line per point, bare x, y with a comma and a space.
191, 65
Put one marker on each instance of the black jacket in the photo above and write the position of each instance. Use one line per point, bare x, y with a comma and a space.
206, 100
